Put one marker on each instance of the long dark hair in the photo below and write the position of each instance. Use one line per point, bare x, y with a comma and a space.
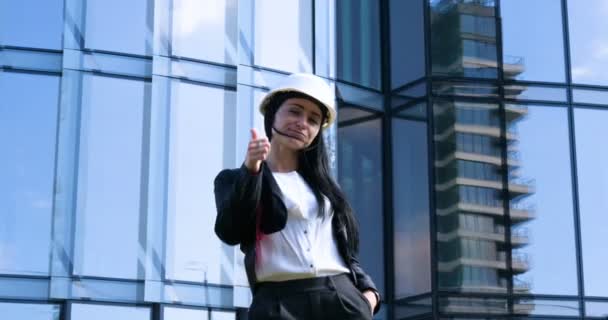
313, 166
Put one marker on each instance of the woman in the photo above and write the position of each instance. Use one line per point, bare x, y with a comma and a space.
298, 233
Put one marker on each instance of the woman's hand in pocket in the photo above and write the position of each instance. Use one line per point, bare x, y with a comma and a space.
371, 297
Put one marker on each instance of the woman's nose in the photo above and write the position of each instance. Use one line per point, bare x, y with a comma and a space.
301, 123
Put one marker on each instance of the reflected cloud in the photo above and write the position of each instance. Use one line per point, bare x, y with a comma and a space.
190, 15
582, 72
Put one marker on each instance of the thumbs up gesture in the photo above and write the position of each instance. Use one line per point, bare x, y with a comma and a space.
257, 151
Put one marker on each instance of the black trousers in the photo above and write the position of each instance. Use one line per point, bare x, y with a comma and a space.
331, 298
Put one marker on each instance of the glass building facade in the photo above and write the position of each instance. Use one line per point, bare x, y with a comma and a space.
470, 142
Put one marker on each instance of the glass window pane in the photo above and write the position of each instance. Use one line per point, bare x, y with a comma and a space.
103, 312
533, 50
194, 253
408, 94
526, 92
110, 178
414, 309
358, 36
407, 41
283, 34
32, 23
596, 309
473, 305
466, 89
588, 49
540, 186
222, 315
361, 97
205, 30
120, 26
28, 125
546, 307
591, 159
590, 96
360, 176
416, 111
411, 208
463, 38
351, 113
29, 311
171, 313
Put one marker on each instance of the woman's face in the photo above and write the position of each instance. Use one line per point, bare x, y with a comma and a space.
299, 120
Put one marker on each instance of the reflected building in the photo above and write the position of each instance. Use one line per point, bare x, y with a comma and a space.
472, 219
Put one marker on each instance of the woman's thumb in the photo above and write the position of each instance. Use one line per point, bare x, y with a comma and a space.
254, 134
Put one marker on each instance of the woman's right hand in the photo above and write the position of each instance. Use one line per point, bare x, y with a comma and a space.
257, 151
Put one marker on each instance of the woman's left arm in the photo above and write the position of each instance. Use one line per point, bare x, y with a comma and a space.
366, 285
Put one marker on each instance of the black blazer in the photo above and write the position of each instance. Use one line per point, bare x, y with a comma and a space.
239, 194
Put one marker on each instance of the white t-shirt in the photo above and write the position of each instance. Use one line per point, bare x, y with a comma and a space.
306, 247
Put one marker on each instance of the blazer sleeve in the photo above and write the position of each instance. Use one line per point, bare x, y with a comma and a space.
237, 193
364, 281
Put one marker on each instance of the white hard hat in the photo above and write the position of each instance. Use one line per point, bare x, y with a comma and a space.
309, 85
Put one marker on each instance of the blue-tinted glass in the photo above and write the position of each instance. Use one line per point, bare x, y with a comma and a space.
171, 313
470, 225
222, 315
31, 23
466, 89
596, 309
196, 294
194, 253
18, 311
283, 35
358, 41
110, 178
591, 159
526, 92
350, 113
28, 124
413, 309
104, 312
121, 26
533, 40
473, 305
590, 96
359, 96
411, 208
26, 288
546, 307
360, 175
463, 38
588, 46
540, 185
107, 290
407, 41
205, 30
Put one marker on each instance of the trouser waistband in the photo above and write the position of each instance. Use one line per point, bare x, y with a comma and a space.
303, 285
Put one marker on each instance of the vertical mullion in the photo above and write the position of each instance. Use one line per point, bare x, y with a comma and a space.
387, 161
573, 162
431, 159
314, 28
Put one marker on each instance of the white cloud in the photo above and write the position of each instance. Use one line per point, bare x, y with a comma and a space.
188, 15
581, 72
